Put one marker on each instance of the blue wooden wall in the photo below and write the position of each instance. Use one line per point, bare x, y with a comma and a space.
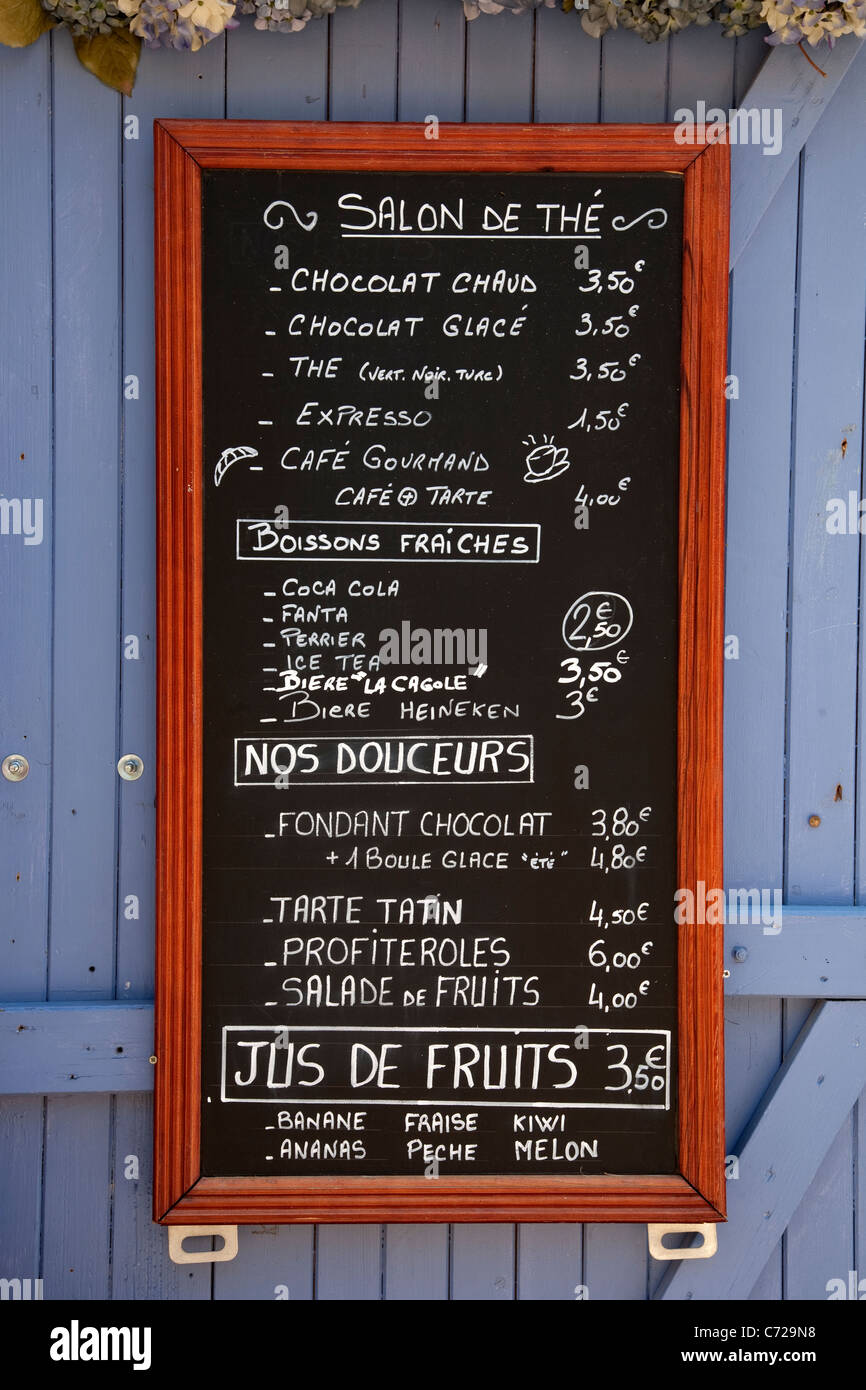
76, 309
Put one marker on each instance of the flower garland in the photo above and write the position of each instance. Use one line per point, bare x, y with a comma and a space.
108, 34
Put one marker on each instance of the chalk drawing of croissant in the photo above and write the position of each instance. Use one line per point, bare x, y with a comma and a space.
230, 456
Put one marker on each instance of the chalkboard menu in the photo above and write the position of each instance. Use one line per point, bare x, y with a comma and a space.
440, 583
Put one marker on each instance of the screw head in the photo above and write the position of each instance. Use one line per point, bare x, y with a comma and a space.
740, 953
15, 767
814, 821
130, 767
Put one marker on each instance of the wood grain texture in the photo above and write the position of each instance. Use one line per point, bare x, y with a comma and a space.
179, 579
567, 70
825, 603
167, 83
822, 956
810, 1098
140, 1265
801, 94
82, 1048
86, 612
431, 61
193, 85
758, 514
275, 76
701, 675
182, 149
26, 428
416, 1263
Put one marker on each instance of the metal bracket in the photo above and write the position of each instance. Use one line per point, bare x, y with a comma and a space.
704, 1251
178, 1234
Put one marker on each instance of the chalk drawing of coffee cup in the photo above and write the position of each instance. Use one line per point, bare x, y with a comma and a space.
544, 461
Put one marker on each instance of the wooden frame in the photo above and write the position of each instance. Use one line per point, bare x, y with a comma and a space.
182, 150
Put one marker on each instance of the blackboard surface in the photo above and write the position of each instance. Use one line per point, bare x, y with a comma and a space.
441, 469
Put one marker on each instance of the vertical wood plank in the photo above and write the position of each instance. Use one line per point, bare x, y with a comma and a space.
499, 68
860, 1191
550, 1263
825, 598
86, 515
768, 1288
750, 54
616, 1261
758, 505
76, 1204
825, 579
349, 1263
701, 68
273, 1263
633, 77
275, 76
416, 1263
140, 1264
820, 1237
431, 60
25, 612
482, 1262
21, 1121
25, 569
567, 69
364, 63
169, 84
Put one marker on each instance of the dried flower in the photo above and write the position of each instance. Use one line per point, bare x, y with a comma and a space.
173, 24
738, 16
289, 16
810, 23
473, 8
87, 17
652, 19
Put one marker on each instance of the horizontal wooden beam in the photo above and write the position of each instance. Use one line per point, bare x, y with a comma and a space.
820, 953
780, 1153
786, 82
50, 1048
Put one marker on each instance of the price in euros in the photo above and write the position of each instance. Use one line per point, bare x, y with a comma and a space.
619, 822
613, 326
607, 371
602, 420
620, 858
648, 1075
619, 960
599, 1000
619, 916
616, 281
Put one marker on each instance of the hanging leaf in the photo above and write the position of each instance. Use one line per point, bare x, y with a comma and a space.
113, 58
22, 21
